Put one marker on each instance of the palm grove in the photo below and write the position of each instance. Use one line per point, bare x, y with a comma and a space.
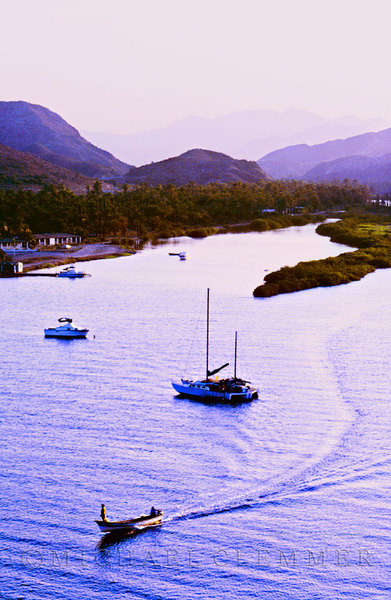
165, 211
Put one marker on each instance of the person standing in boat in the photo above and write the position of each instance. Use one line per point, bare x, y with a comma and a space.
153, 512
103, 513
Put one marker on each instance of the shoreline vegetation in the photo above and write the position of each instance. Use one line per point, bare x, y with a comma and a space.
136, 215
370, 234
50, 258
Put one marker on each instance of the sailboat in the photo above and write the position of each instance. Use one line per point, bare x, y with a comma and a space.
229, 390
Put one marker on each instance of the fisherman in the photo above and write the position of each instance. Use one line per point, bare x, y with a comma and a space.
153, 512
103, 513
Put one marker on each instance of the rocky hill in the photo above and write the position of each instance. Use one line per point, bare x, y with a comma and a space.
39, 131
297, 161
23, 170
198, 166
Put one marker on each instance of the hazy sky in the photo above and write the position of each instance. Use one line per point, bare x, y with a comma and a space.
131, 65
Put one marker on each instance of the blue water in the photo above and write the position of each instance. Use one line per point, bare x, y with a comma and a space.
284, 498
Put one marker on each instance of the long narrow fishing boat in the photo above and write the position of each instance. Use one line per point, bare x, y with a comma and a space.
136, 524
229, 390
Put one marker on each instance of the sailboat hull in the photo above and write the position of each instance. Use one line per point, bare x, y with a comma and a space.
220, 391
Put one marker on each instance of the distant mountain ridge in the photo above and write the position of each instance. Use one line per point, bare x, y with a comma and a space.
39, 131
365, 157
198, 166
296, 161
24, 170
373, 171
35, 131
244, 134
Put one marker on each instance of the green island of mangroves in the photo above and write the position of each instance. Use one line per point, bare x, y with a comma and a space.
371, 234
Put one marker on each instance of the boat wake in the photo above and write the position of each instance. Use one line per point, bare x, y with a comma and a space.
231, 505
285, 492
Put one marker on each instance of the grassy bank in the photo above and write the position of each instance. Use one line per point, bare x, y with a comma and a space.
370, 234
271, 222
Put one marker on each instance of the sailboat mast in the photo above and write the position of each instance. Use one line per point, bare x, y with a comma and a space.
207, 333
236, 352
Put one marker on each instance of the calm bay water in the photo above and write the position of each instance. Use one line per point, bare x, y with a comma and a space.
284, 498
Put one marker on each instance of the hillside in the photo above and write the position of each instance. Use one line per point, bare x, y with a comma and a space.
296, 161
373, 171
37, 130
243, 134
23, 170
198, 166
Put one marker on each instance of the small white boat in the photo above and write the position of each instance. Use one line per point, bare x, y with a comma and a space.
182, 255
65, 330
71, 272
136, 524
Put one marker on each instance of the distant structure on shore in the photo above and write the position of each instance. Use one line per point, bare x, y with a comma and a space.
10, 269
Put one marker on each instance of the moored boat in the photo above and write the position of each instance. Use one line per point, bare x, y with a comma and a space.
71, 272
182, 255
136, 524
65, 330
232, 389
228, 390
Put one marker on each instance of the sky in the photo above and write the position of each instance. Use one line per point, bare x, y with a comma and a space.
124, 66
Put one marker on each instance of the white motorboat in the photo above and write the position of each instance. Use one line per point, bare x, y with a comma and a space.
232, 389
65, 330
71, 272
136, 524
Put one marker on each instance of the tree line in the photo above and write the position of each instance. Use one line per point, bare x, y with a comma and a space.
164, 211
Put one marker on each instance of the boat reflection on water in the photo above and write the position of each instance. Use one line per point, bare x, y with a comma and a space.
117, 538
111, 542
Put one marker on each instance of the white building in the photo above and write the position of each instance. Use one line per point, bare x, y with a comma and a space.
13, 245
54, 239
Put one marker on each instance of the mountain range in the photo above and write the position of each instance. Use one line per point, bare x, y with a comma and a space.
365, 157
246, 134
39, 131
37, 147
198, 166
373, 171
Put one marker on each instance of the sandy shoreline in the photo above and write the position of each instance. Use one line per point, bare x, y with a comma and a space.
41, 259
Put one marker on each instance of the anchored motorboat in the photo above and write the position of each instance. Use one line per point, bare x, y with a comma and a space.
136, 524
71, 272
182, 255
231, 389
65, 330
